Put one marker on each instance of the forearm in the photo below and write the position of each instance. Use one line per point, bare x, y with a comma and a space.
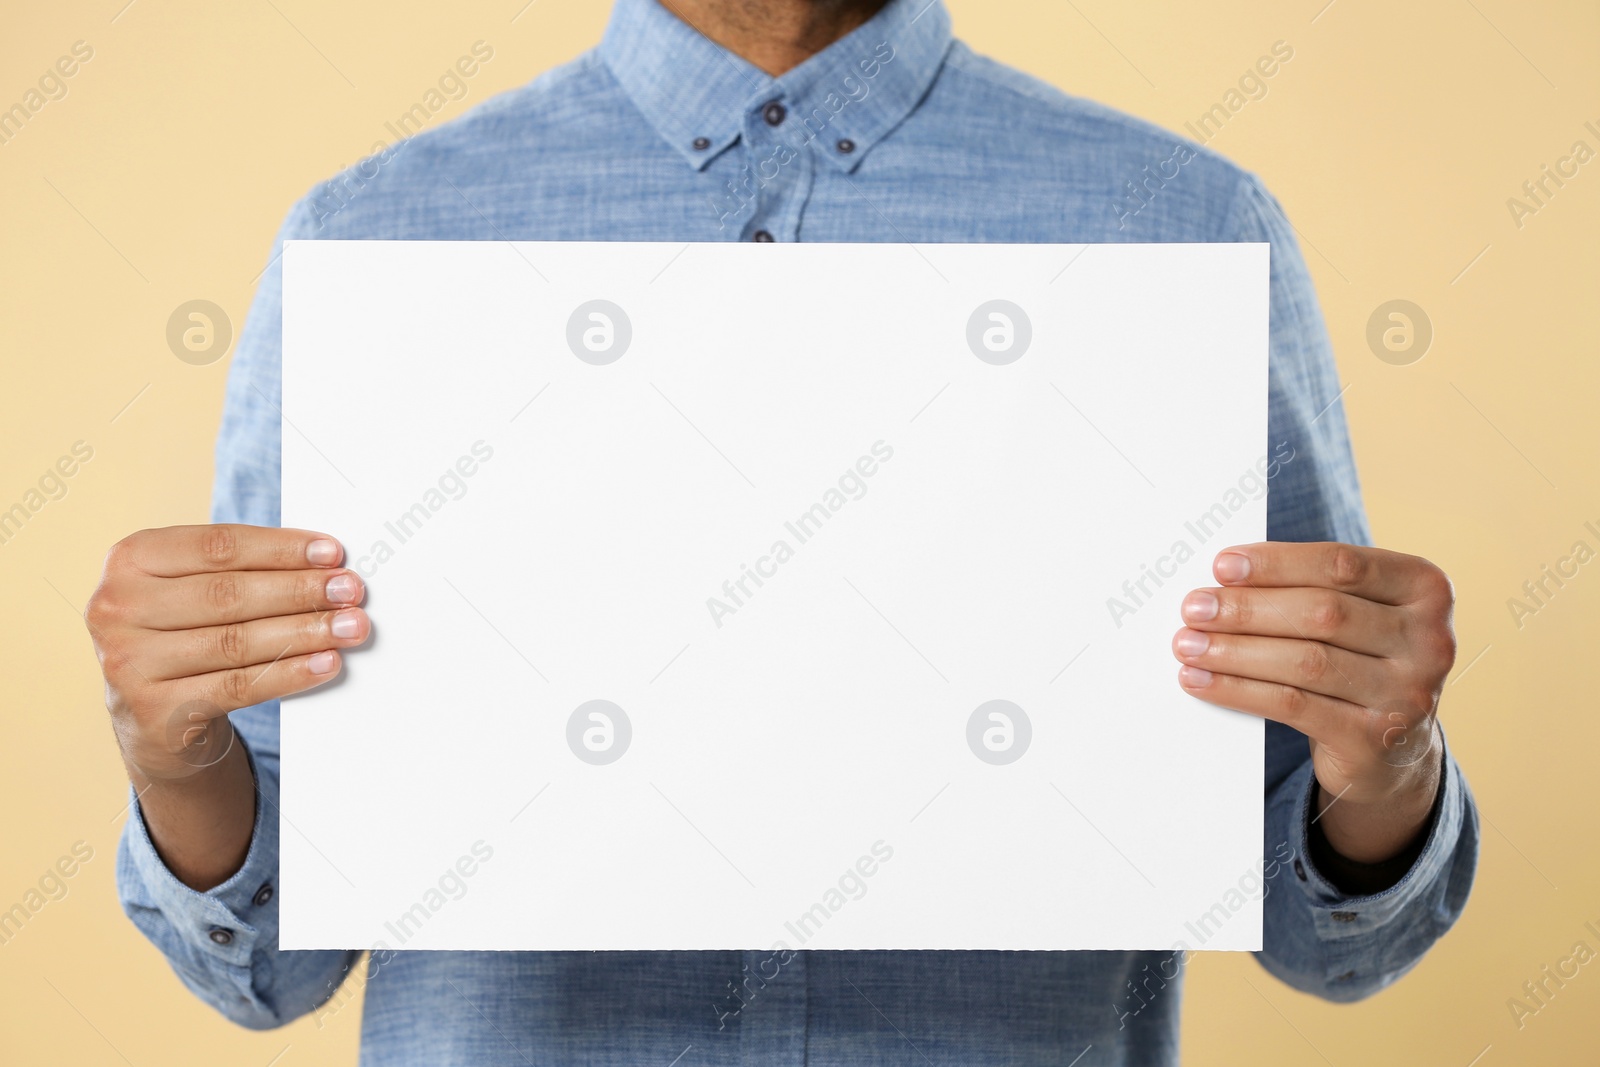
201, 824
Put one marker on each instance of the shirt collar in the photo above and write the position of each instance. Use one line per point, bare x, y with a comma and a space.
854, 91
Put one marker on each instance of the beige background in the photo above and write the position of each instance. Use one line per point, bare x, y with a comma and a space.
1394, 138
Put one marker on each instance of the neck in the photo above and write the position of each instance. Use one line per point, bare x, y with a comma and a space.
775, 35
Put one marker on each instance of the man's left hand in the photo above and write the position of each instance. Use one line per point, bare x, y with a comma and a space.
1350, 646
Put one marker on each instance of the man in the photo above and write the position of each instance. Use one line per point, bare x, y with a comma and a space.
817, 120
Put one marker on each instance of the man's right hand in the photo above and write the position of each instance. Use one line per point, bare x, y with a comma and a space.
192, 622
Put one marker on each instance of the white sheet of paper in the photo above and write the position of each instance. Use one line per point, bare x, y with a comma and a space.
941, 506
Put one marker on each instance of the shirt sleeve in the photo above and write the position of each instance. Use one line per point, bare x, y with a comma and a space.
223, 943
1316, 937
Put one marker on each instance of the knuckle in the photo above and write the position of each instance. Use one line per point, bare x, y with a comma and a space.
1327, 615
1238, 609
1429, 636
235, 687
233, 644
1346, 567
1438, 647
120, 555
1437, 586
118, 666
219, 545
104, 609
136, 703
1418, 699
1313, 663
224, 593
1291, 701
134, 712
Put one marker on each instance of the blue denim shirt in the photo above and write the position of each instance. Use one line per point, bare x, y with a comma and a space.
895, 133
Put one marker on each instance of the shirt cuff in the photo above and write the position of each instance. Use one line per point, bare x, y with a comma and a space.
224, 924
1340, 916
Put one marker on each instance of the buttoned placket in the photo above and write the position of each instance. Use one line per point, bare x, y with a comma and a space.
775, 171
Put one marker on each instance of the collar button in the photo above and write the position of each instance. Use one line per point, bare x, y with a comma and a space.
702, 143
774, 113
845, 146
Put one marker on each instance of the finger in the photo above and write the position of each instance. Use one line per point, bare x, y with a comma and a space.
184, 653
1371, 573
197, 600
180, 550
1325, 615
1326, 719
241, 687
1308, 665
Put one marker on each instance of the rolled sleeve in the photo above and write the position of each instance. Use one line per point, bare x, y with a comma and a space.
211, 937
1324, 941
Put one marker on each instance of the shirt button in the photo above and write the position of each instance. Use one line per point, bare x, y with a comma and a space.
263, 895
1299, 870
1344, 916
702, 143
846, 145
762, 236
774, 113
221, 936
1345, 977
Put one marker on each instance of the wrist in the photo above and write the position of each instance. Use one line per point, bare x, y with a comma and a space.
201, 823
1375, 825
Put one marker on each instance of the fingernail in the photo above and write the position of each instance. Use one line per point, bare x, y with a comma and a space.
1191, 642
1200, 606
1193, 677
322, 663
343, 589
1232, 567
322, 552
345, 624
